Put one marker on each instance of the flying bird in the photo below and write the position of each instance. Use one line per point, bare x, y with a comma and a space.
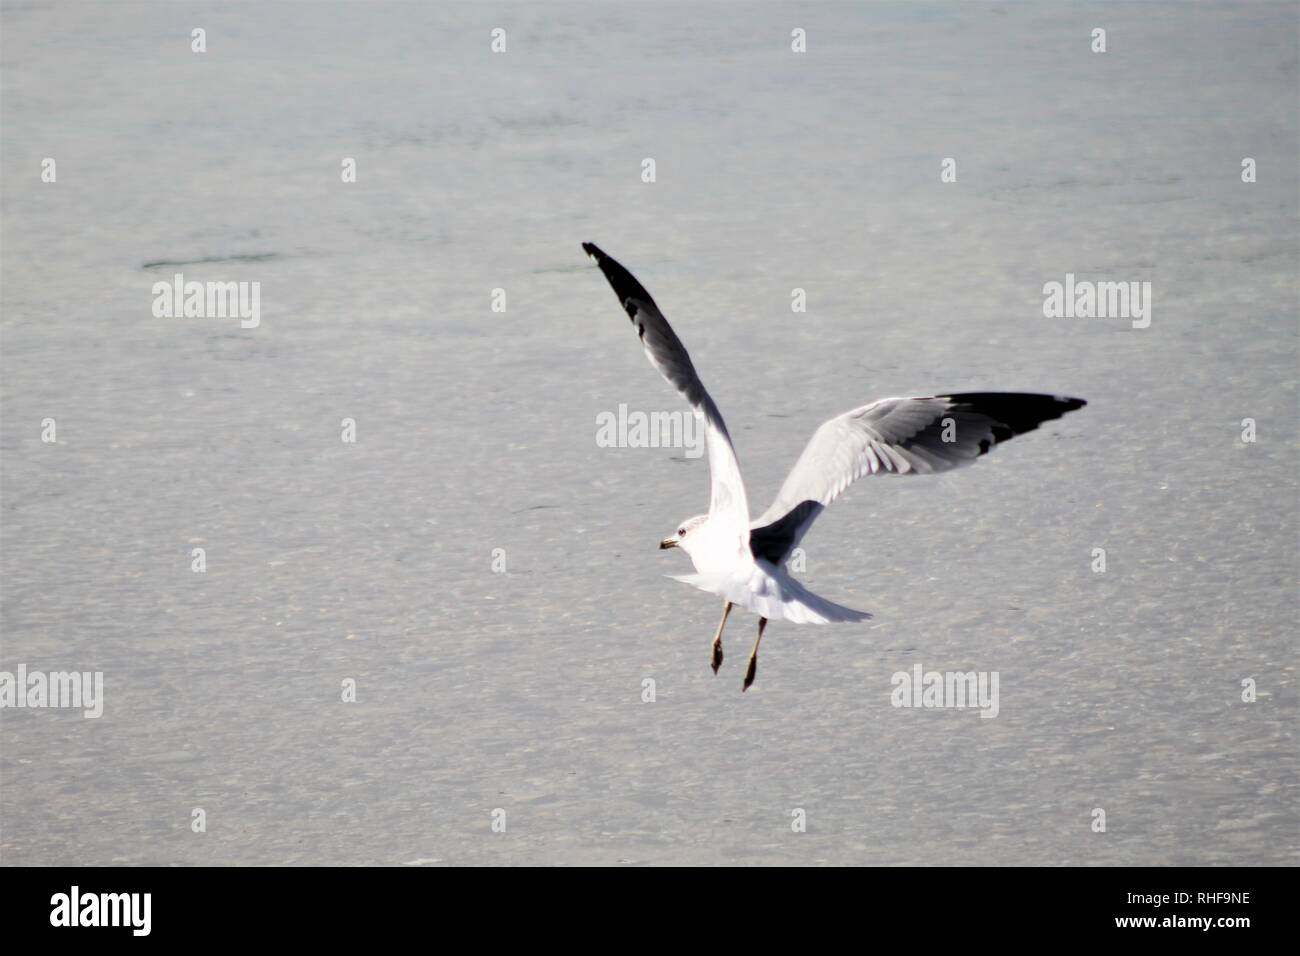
742, 560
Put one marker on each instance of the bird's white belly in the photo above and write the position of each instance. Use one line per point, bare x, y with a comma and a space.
719, 550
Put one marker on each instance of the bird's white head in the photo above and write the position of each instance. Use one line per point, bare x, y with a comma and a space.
686, 535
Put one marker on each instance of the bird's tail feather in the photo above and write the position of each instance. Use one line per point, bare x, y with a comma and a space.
772, 593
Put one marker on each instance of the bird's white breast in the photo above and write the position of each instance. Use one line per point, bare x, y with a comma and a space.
715, 548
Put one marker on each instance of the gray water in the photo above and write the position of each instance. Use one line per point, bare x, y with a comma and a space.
522, 690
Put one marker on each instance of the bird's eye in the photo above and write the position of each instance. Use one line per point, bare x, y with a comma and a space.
680, 532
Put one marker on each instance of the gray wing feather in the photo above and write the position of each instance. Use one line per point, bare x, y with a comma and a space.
905, 436
669, 356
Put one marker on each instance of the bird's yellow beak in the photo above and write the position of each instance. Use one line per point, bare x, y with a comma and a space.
667, 543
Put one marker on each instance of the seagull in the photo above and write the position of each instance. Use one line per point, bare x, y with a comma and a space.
742, 561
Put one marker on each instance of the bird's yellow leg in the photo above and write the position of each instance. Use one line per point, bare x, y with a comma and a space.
753, 656
717, 638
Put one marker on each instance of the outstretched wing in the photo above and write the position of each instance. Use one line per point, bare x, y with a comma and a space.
668, 355
905, 436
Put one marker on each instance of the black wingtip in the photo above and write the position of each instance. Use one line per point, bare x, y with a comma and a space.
1014, 413
623, 283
